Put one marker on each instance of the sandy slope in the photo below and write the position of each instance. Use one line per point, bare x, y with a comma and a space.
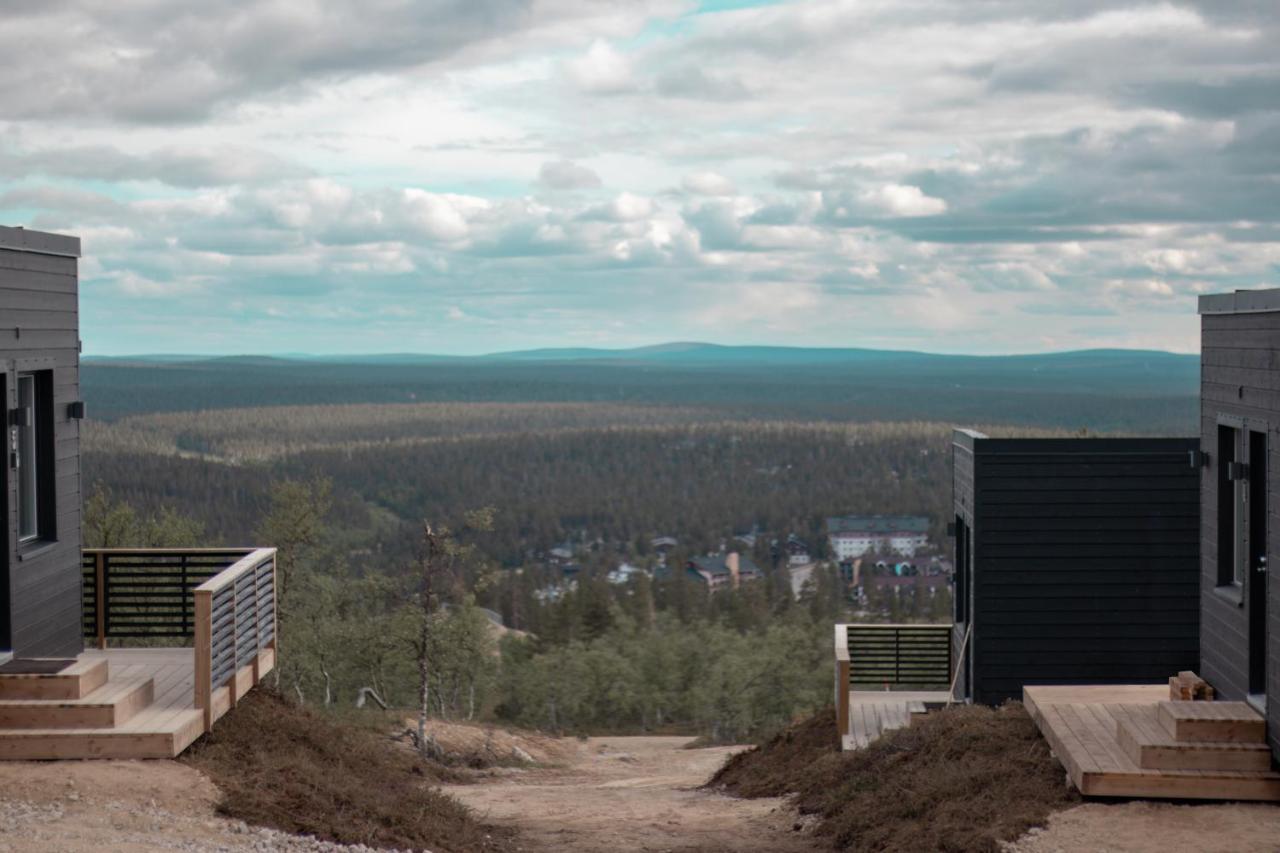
631, 794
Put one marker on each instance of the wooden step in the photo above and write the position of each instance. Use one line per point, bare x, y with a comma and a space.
1148, 745
1212, 722
109, 706
75, 682
131, 741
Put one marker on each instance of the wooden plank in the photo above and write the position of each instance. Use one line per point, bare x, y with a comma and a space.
75, 682
1233, 722
203, 656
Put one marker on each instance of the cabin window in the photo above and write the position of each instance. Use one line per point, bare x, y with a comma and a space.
33, 451
1233, 496
960, 587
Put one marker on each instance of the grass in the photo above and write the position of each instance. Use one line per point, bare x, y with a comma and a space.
282, 766
961, 779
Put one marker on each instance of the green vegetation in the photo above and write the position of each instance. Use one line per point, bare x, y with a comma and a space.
596, 456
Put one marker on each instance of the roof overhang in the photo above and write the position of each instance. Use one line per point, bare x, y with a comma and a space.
1241, 302
39, 242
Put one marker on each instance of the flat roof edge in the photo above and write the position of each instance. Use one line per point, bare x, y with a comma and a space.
39, 242
1240, 302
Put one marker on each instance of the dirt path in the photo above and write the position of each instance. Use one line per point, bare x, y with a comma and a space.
621, 794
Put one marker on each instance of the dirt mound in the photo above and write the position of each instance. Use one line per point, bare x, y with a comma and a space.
281, 766
479, 746
962, 779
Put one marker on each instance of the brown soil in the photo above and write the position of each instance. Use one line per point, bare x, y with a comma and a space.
962, 779
284, 767
479, 746
621, 794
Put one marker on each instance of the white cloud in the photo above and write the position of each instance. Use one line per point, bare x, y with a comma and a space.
602, 70
566, 175
901, 200
708, 183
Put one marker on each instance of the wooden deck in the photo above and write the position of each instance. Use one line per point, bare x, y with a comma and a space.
140, 705
1115, 741
874, 712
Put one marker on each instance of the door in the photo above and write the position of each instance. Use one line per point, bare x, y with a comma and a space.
1256, 580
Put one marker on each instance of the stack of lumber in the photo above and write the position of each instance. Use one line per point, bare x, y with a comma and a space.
1186, 686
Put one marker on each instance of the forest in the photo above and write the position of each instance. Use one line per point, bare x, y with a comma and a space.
340, 466
1103, 390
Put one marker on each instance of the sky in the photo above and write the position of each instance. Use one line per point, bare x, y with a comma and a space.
472, 176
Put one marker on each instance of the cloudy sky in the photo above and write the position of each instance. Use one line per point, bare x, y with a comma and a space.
468, 176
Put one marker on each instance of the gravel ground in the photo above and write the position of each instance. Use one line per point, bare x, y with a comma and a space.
125, 806
1154, 827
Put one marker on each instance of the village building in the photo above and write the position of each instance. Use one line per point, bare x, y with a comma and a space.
856, 535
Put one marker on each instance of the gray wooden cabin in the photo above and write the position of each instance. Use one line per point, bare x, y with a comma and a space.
1240, 439
40, 499
1076, 561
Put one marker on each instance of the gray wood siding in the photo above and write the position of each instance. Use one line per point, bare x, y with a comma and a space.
1086, 562
39, 325
1240, 378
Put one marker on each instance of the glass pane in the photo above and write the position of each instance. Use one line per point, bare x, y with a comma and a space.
27, 479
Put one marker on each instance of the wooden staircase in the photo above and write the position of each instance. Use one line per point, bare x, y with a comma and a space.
141, 709
1132, 741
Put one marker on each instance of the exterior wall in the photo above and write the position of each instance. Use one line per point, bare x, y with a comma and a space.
962, 499
847, 545
39, 329
1240, 354
1085, 562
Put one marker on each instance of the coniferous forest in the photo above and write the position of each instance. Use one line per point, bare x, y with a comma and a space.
575, 478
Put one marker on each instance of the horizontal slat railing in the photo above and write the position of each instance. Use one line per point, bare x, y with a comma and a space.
138, 594
235, 631
899, 656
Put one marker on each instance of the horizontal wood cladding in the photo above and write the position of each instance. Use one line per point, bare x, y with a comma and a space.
1240, 379
1086, 562
39, 329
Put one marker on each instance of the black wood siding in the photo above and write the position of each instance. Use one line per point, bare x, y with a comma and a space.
1086, 562
1239, 378
39, 329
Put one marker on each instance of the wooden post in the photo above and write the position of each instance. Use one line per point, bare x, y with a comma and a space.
100, 597
203, 650
842, 675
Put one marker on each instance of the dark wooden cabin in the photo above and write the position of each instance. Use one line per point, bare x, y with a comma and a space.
40, 499
1239, 424
1076, 562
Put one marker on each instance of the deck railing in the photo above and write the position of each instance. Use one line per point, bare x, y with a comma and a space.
136, 594
889, 657
235, 632
222, 601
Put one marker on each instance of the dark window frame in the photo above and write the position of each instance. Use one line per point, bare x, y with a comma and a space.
43, 436
1231, 546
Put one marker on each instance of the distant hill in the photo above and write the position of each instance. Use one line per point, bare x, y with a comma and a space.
1142, 390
